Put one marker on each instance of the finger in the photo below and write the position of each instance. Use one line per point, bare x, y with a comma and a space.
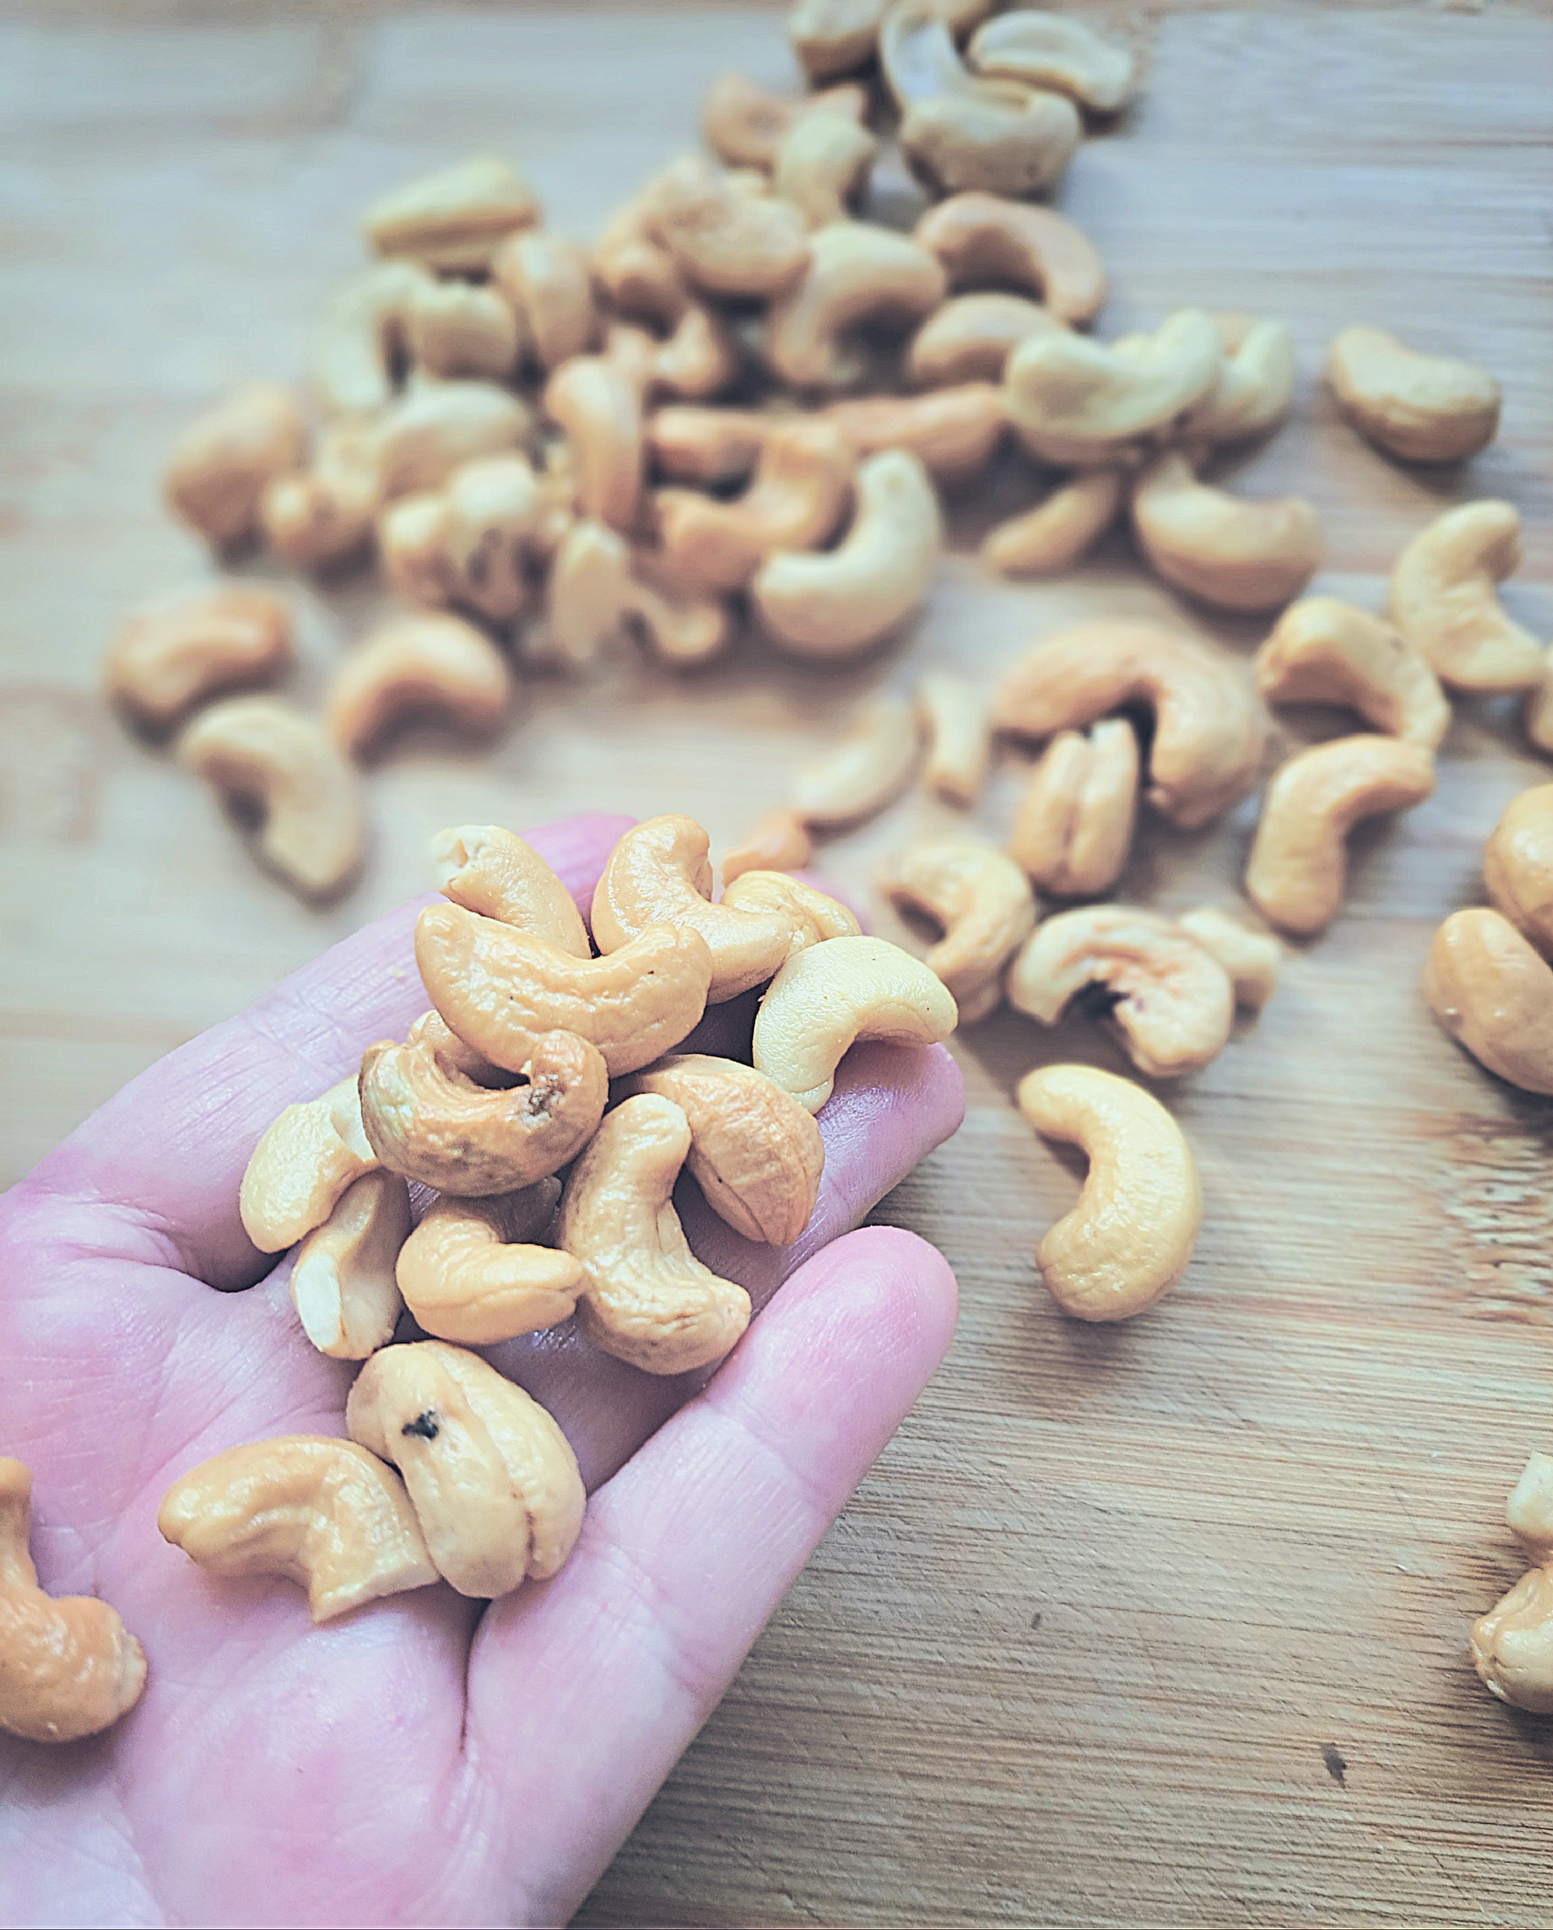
583, 1692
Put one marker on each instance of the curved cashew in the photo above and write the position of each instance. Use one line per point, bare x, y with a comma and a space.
469, 543
413, 664
699, 358
989, 238
1255, 385
461, 328
822, 167
1057, 532
1423, 408
838, 602
546, 279
1443, 601
455, 1058
1512, 1645
952, 432
1074, 401
711, 447
1237, 555
493, 1480
779, 841
303, 1162
1518, 865
857, 272
971, 338
952, 715
744, 125
1493, 993
1299, 862
1208, 728
436, 427
222, 463
358, 339
1057, 51
68, 1668
176, 653
1243, 946
682, 624
754, 1151
1074, 826
314, 828
455, 219
1323, 651
833, 37
342, 1280
982, 901
468, 1274
811, 916
599, 406
598, 584
317, 516
493, 872
827, 997
863, 772
323, 1513
724, 242
659, 874
1127, 1241
1169, 1000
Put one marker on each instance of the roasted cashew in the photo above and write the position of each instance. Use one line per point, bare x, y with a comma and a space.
322, 1512
546, 279
303, 1162
723, 242
822, 167
1057, 51
779, 841
813, 918
1323, 651
1074, 825
1243, 946
1237, 555
1443, 599
1127, 1241
982, 901
360, 337
469, 543
1299, 860
1255, 385
222, 463
342, 1280
493, 1480
495, 873
827, 997
172, 655
857, 272
710, 447
754, 1151
469, 1274
68, 1667
952, 716
744, 125
864, 771
971, 338
984, 238
436, 427
1423, 408
1057, 532
599, 406
314, 829
1168, 1000
1518, 865
1208, 728
455, 219
953, 432
1512, 1645
414, 664
835, 603
320, 515
1493, 993
462, 328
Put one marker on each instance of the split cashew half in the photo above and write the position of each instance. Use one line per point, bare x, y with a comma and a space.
1493, 993
953, 432
857, 272
860, 775
469, 1274
971, 337
412, 665
221, 465
1073, 829
342, 1280
982, 238
1057, 532
981, 900
495, 873
1237, 555
1443, 599
1512, 1645
952, 715
173, 655
1323, 651
303, 1162
455, 219
1518, 865
1423, 408
1057, 51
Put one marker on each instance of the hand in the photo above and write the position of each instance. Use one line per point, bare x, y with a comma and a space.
426, 1759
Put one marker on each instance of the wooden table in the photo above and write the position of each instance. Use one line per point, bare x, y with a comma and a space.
1158, 1625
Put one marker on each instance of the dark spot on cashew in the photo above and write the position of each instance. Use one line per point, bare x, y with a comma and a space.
423, 1427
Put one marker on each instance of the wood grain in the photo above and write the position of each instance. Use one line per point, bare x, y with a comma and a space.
1160, 1625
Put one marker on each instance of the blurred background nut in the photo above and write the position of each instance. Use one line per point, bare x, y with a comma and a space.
970, 338
494, 872
1443, 599
953, 432
433, 428
988, 239
952, 715
700, 357
359, 340
1493, 993
1243, 946
723, 242
303, 1162
1512, 1645
1237, 555
634, 271
866, 770
1423, 408
1073, 830
779, 841
546, 280
412, 665
452, 220
1255, 385
322, 515
833, 37
1057, 51
342, 1280
462, 328
982, 902
1518, 865
171, 655
744, 124
1324, 651
710, 447
599, 406
220, 465
822, 166
471, 1273
470, 543
857, 272
1056, 533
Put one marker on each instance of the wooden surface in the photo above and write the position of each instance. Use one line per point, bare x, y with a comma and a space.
1158, 1625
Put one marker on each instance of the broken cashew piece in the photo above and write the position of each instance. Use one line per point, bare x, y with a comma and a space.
822, 166
1518, 865
1512, 1645
953, 432
970, 338
1423, 408
172, 655
744, 125
860, 775
68, 1666
779, 841
1324, 651
1298, 868
303, 1162
1493, 993
983, 903
1444, 602
857, 272
1128, 1240
469, 1273
813, 918
1057, 532
342, 1280
495, 873
1243, 946
952, 716
1057, 51
455, 219
469, 543
1236, 555
984, 238
1255, 385
412, 665
1074, 826
221, 465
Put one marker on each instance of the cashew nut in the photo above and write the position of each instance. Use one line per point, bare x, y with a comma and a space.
1423, 408
724, 242
744, 125
953, 432
684, 625
982, 901
636, 273
495, 873
1255, 385
1057, 532
827, 997
1127, 1241
1074, 826
1169, 1000
1299, 861
1512, 1645
822, 166
952, 715
469, 1274
832, 37
302, 1164
546, 279
1518, 865
436, 427
1208, 727
597, 585
1493, 993
174, 654
1237, 555
318, 516
1323, 651
599, 405
455, 1058
342, 1280
68, 1668
699, 358
779, 841
711, 447
259, 748
469, 543
861, 774
455, 219
1057, 51
857, 272
984, 238
323, 1513
1443, 599
359, 339
1243, 946
461, 328
836, 603
971, 337
221, 464
413, 664
493, 1480
811, 916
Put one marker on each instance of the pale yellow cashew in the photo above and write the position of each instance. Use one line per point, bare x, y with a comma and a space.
699, 358
599, 586
1056, 533
1423, 408
359, 337
436, 427
971, 338
462, 328
174, 654
953, 716
1237, 555
953, 432
1298, 867
342, 1280
709, 447
813, 917
647, 1298
779, 841
1323, 651
470, 543
320, 515
303, 1162
723, 242
221, 465
1255, 385
1443, 599
744, 125
545, 278
1128, 1240
1512, 1645
320, 1512
1243, 946
984, 238
1518, 865
412, 665
861, 774
469, 1274
822, 165
1073, 830
495, 873
636, 273
455, 219
834, 37
1493, 993
981, 900
599, 405
827, 997
1058, 51
857, 272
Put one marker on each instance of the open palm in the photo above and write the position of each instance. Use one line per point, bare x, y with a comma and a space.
424, 1760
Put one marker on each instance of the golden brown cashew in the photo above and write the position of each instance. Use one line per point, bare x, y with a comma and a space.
1074, 826
1443, 599
1057, 532
812, 916
1512, 1645
546, 279
599, 406
303, 1162
982, 901
221, 464
1423, 408
1237, 555
493, 1480
827, 997
953, 432
1168, 1000
314, 828
1323, 651
1518, 865
68, 1668
864, 771
754, 1151
468, 1274
323, 1513
1493, 993
779, 841
469, 543
1057, 51
836, 603
173, 654
414, 664
822, 166
1255, 385
317, 516
342, 1280
495, 873
1127, 1241
1243, 946
359, 338
724, 242
989, 238
455, 219
971, 337
461, 328
1299, 860
952, 715
436, 427
857, 272
1208, 728
744, 125
648, 1299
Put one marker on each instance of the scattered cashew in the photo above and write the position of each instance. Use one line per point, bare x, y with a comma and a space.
1243, 946
744, 125
812, 917
700, 357
469, 543
359, 340
1073, 829
454, 219
1423, 408
1057, 51
982, 901
1299, 861
469, 1274
1237, 555
302, 1164
172, 655
779, 841
711, 447
684, 625
822, 166
952, 716
1518, 865
342, 1280
1443, 599
857, 272
321, 515
413, 664
495, 873
723, 242
1512, 1645
988, 238
634, 270
461, 328
1057, 532
1493, 993
598, 584
1255, 385
546, 279
832, 37
599, 406
1323, 651
970, 338
1128, 1240
436, 427
953, 432
221, 464
861, 774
